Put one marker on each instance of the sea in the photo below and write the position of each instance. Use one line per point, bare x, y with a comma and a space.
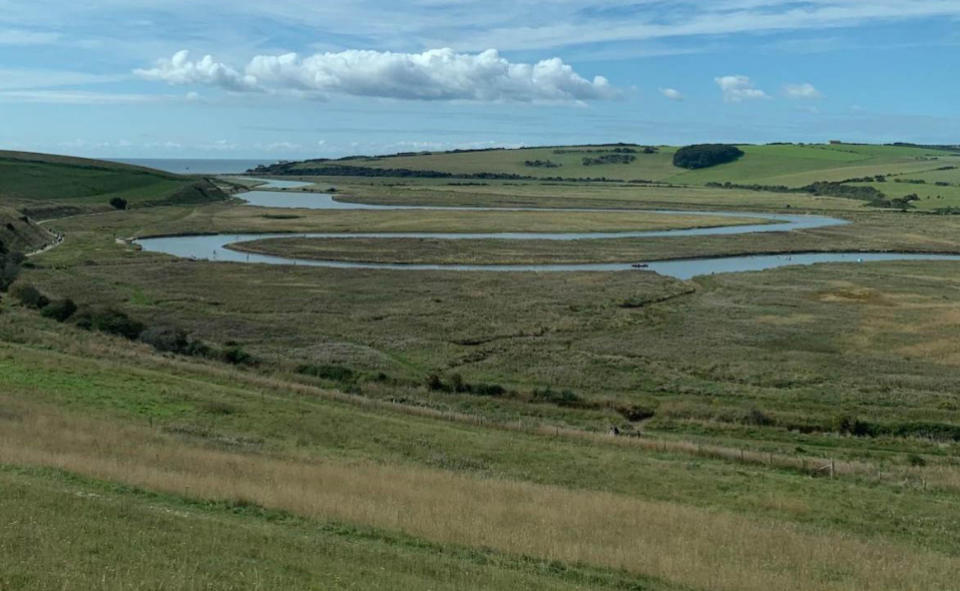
195, 166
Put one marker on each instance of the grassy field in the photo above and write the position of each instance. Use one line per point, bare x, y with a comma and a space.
788, 429
791, 165
618, 196
29, 179
238, 446
225, 218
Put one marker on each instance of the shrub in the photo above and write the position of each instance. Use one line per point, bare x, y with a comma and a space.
10, 263
851, 425
30, 296
609, 159
635, 412
435, 383
109, 321
235, 355
215, 407
118, 203
166, 338
487, 389
457, 384
335, 373
560, 398
60, 310
704, 155
757, 417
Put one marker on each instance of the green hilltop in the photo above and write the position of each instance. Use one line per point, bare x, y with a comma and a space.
790, 165
29, 180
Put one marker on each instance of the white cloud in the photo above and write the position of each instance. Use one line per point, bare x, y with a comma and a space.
672, 94
180, 70
436, 74
802, 91
739, 88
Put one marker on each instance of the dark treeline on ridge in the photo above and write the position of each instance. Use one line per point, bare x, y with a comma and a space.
705, 155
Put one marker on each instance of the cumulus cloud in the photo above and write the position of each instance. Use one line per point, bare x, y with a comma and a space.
739, 88
672, 94
802, 91
436, 74
180, 70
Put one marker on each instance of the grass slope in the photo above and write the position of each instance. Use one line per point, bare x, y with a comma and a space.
215, 453
19, 234
791, 165
27, 177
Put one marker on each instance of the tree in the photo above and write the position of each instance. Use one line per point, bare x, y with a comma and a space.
704, 155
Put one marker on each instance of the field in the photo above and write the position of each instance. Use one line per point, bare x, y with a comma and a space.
43, 181
345, 428
791, 165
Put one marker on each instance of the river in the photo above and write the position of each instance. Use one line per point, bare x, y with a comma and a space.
216, 247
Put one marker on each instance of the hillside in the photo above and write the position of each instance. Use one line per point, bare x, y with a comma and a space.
27, 178
791, 165
19, 234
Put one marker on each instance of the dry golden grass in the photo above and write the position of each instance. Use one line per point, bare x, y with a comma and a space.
682, 544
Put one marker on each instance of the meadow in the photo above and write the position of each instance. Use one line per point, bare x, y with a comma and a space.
343, 428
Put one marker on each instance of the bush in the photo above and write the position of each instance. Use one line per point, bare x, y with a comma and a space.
235, 355
635, 412
166, 338
30, 296
487, 389
609, 159
60, 310
435, 383
118, 203
851, 425
705, 155
560, 398
335, 373
109, 321
757, 417
10, 263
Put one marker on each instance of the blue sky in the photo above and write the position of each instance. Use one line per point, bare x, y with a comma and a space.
305, 78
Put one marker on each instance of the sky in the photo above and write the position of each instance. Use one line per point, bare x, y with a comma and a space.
291, 79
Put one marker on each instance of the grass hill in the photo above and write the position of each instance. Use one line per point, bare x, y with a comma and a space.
792, 165
29, 177
19, 234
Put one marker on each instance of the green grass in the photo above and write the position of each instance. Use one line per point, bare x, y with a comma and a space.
931, 196
39, 179
791, 165
268, 418
61, 531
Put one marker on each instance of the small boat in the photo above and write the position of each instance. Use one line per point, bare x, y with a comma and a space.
640, 265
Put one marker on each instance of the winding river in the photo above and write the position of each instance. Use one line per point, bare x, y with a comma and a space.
215, 246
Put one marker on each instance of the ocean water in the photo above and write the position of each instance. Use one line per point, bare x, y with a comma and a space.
195, 165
